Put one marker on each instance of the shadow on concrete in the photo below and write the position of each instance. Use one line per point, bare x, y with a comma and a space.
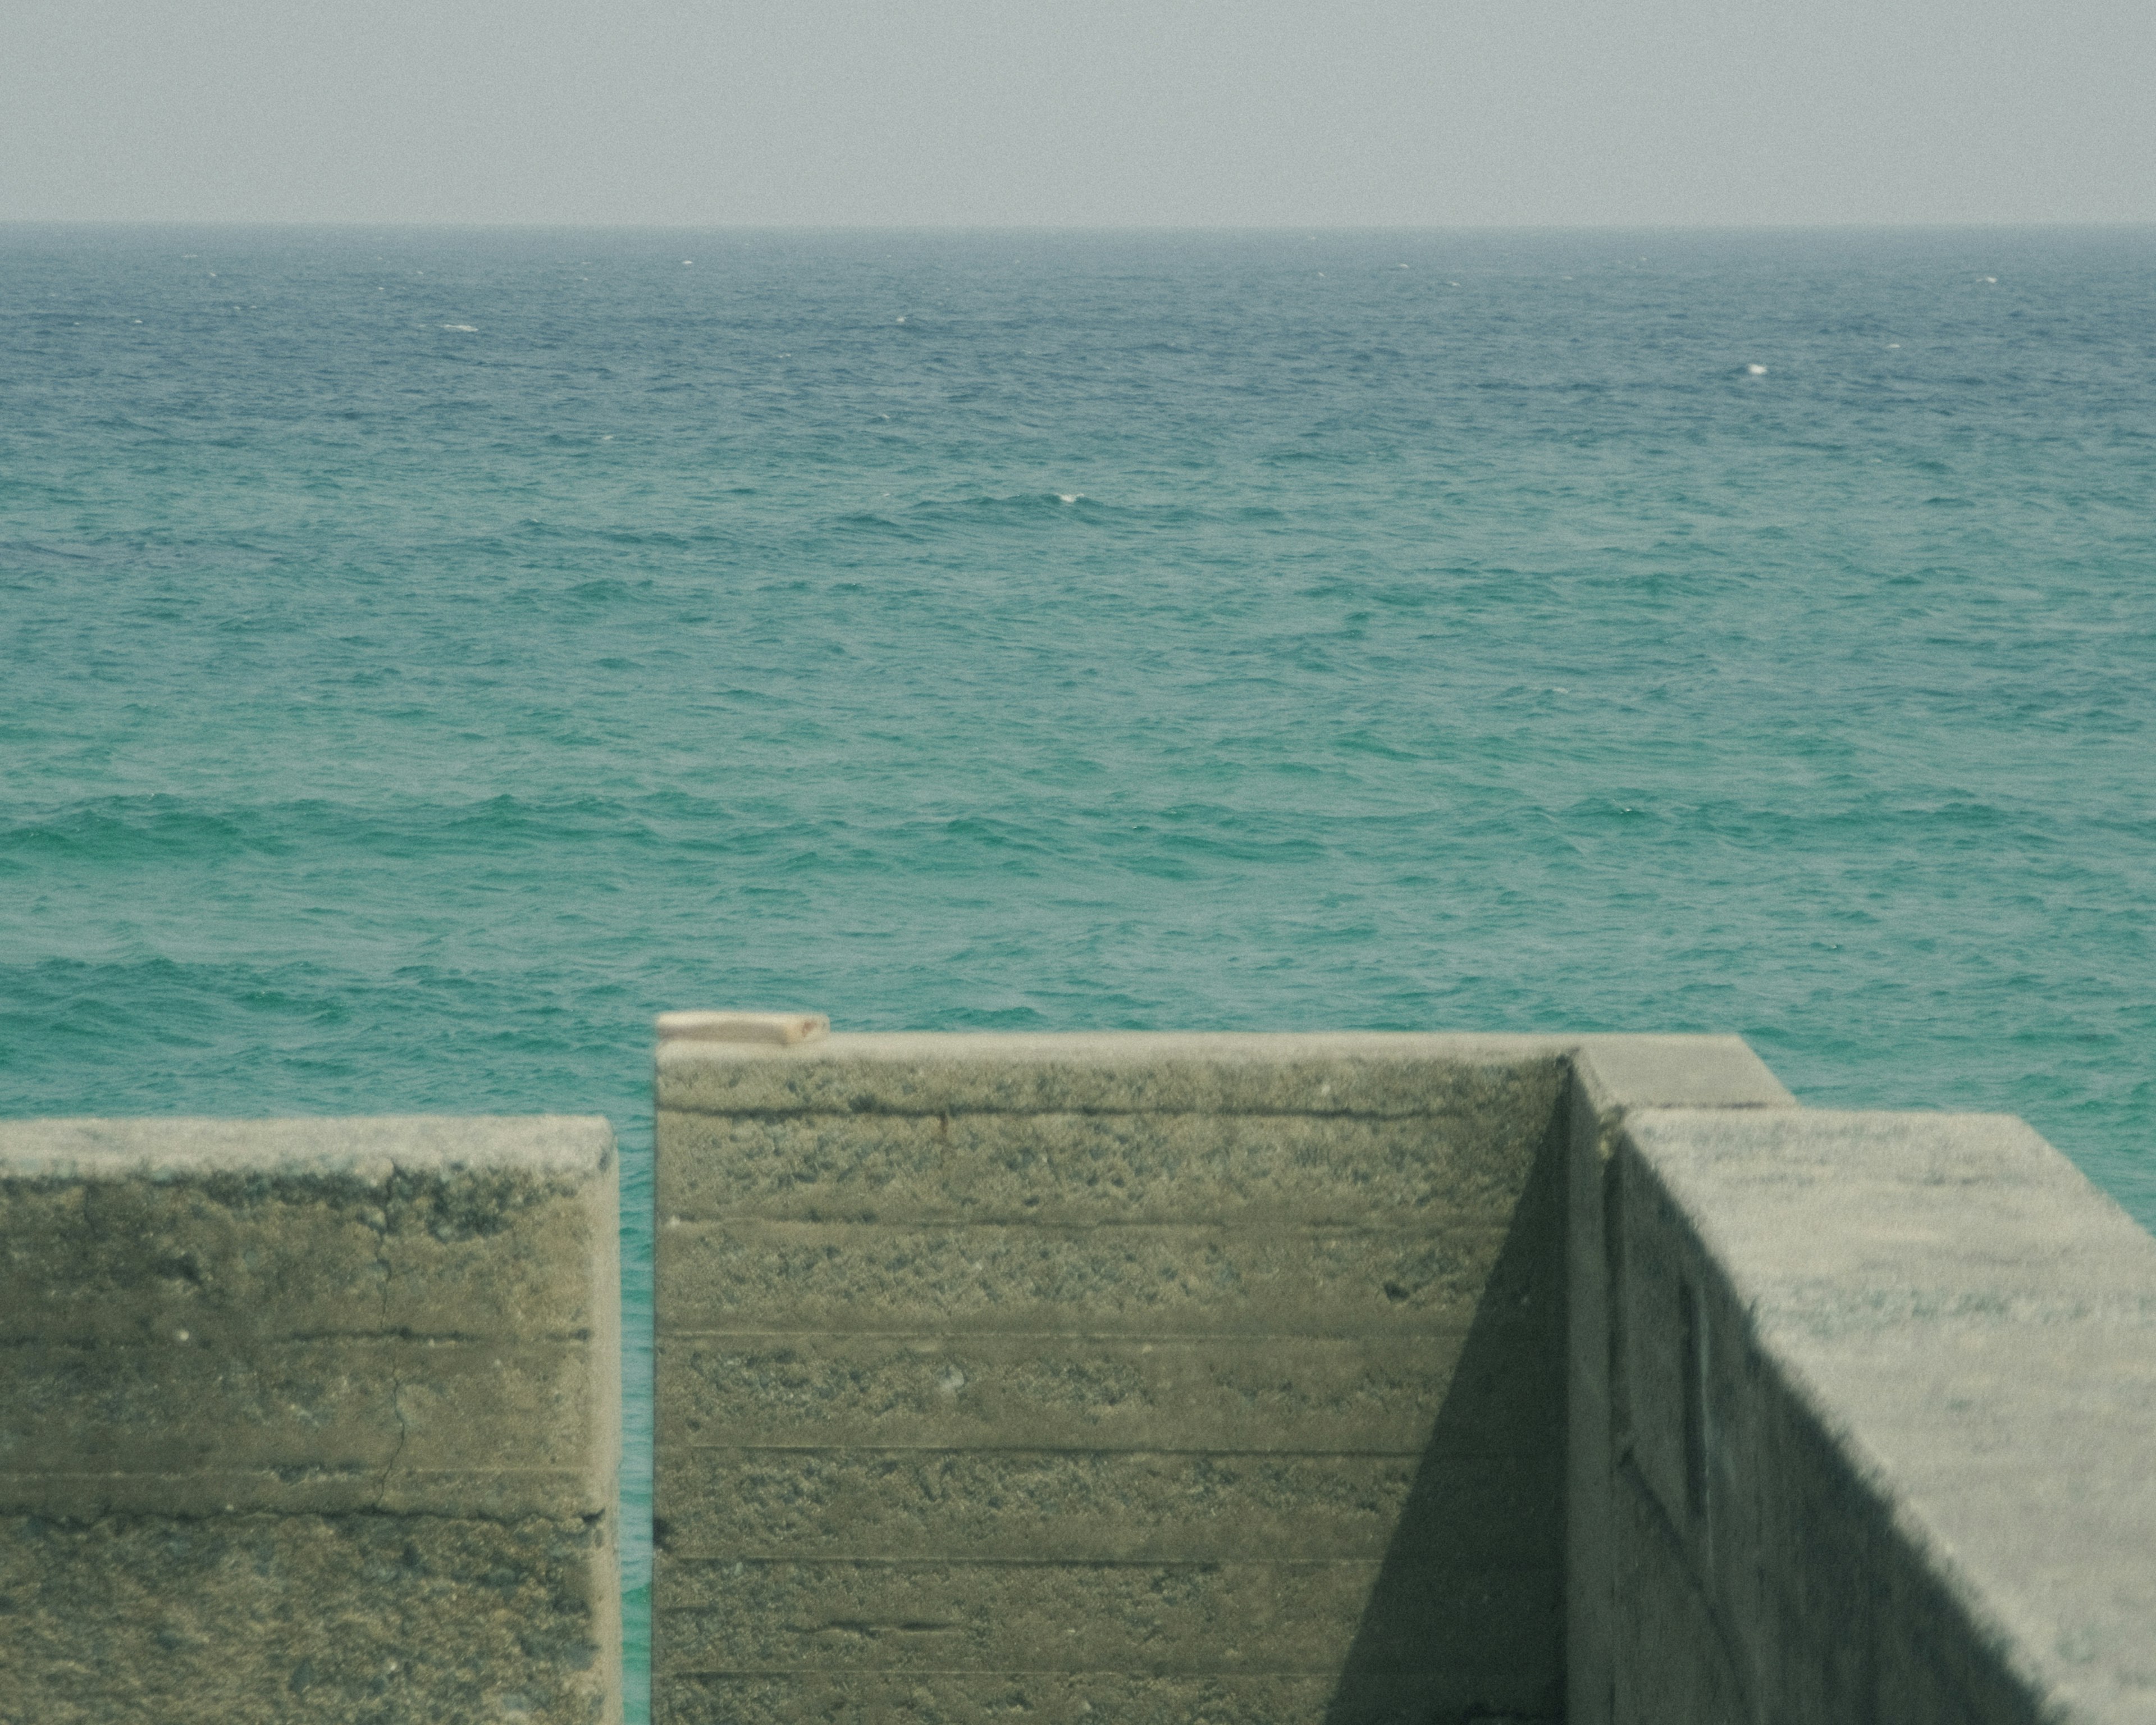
1466, 1620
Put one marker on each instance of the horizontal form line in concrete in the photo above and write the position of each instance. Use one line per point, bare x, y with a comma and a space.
1327, 1672
1213, 1449
1161, 1338
1192, 1565
309, 1339
1417, 1224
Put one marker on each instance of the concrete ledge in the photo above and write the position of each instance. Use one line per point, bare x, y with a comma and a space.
1618, 1073
1380, 1073
1612, 1075
368, 1150
1889, 1382
315, 1416
230, 1233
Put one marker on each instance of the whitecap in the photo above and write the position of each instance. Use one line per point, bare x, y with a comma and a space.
1068, 496
469, 329
1757, 371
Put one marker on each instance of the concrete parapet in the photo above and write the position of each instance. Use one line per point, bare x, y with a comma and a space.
1338, 1379
1150, 1378
1884, 1438
1612, 1076
1380, 1073
1350, 1378
312, 1417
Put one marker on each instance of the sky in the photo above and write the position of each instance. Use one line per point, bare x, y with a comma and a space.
1089, 113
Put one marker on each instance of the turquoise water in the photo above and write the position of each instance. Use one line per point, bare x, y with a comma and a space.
427, 655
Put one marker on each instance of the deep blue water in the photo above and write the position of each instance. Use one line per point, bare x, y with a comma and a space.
426, 656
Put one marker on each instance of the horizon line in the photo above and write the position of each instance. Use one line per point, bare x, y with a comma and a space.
1044, 229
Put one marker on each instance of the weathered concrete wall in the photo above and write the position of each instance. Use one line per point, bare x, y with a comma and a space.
1612, 1075
1142, 1378
1161, 1378
1332, 1379
308, 1418
1883, 1444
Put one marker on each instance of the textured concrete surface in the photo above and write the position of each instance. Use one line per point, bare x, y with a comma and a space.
1385, 1377
1083, 1169
1885, 1418
364, 1618
1033, 1391
458, 1425
1610, 1076
1270, 1617
844, 1275
872, 1697
1094, 1505
1114, 1072
1150, 1378
312, 1417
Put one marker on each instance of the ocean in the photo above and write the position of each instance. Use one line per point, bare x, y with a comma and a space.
427, 655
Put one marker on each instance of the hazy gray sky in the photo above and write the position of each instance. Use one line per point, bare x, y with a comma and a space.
1088, 113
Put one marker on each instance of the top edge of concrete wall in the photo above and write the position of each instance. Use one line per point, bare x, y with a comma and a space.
1122, 1047
366, 1148
1371, 1072
1628, 1072
1978, 1211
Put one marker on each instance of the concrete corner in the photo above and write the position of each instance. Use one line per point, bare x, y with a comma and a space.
1612, 1075
1887, 1390
316, 1415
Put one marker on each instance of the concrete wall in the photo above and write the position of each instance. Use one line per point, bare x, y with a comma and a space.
1228, 1377
1882, 1444
1611, 1077
1324, 1378
1132, 1377
308, 1420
